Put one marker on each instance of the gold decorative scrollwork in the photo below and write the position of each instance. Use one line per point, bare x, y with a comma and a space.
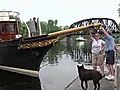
37, 44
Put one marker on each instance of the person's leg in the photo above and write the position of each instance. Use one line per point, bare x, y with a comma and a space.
102, 69
108, 58
112, 70
94, 66
94, 62
112, 60
109, 69
107, 65
32, 34
101, 63
110, 64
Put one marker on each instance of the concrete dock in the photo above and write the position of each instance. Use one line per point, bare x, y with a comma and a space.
105, 85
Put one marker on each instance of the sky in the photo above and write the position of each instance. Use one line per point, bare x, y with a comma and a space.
65, 11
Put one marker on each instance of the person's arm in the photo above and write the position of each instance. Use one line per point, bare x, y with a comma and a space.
102, 47
116, 48
91, 35
105, 32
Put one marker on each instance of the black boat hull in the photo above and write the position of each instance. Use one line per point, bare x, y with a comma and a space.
25, 54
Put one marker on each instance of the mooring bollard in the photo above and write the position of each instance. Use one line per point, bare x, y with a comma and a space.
117, 77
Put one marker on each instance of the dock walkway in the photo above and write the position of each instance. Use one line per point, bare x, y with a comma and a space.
105, 84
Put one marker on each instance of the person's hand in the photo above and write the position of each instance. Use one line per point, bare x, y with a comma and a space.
101, 28
101, 51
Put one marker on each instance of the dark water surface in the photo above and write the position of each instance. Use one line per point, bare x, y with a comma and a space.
14, 81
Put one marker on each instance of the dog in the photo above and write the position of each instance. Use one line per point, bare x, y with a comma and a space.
86, 75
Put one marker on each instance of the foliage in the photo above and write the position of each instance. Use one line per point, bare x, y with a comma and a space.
23, 30
49, 27
46, 28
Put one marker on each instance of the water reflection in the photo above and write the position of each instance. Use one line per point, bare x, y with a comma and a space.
58, 68
78, 51
14, 81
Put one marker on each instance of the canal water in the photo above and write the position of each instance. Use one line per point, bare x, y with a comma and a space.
59, 69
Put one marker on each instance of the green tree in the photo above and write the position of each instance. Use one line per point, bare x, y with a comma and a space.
52, 26
66, 27
56, 21
23, 30
50, 22
49, 27
44, 27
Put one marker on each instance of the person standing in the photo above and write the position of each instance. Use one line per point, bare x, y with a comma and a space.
35, 22
97, 50
32, 28
110, 53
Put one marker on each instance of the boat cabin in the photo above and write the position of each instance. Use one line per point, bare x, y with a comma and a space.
9, 25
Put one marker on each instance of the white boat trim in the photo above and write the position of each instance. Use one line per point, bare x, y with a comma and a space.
32, 73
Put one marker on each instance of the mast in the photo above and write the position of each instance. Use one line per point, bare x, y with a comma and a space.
72, 30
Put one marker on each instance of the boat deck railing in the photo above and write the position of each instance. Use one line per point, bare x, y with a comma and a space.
8, 15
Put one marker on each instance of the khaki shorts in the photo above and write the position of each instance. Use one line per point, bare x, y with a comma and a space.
97, 59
